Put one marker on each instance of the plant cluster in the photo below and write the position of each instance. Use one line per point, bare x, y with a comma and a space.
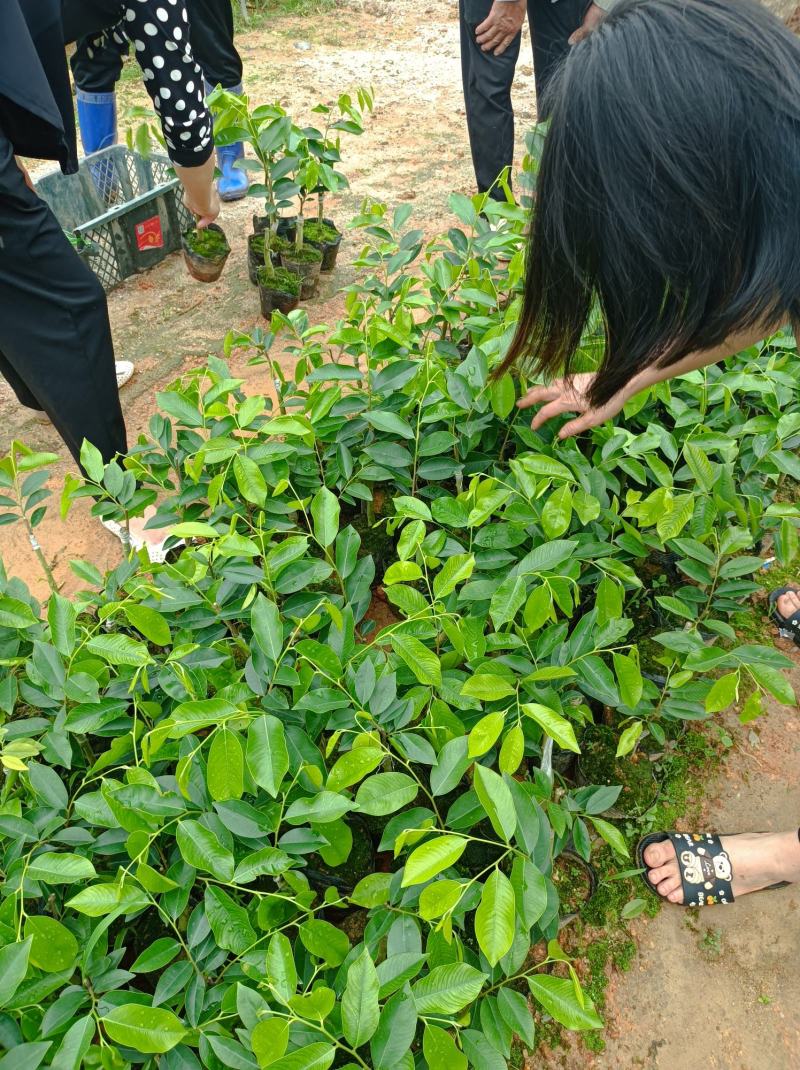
298, 798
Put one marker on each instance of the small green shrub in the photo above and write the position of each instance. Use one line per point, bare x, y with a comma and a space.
294, 799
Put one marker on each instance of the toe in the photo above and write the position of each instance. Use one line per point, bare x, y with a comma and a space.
788, 603
676, 896
658, 854
656, 876
669, 885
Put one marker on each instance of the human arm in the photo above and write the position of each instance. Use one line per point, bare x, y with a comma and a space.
571, 395
501, 25
594, 13
160, 35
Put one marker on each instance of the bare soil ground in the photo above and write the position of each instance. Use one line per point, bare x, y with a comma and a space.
721, 990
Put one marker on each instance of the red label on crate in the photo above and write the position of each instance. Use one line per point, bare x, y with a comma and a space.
148, 234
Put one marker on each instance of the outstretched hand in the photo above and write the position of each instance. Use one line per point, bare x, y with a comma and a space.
570, 395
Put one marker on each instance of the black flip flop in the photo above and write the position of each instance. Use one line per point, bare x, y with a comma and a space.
789, 627
705, 868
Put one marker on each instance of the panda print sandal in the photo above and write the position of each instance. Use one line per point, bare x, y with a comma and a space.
788, 627
705, 867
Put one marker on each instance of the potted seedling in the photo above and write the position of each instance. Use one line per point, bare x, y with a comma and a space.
325, 147
205, 250
267, 129
298, 256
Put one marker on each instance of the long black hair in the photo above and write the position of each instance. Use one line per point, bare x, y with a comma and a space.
669, 188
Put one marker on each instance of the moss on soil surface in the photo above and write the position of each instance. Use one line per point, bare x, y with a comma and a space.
320, 232
305, 254
208, 243
280, 281
599, 765
277, 244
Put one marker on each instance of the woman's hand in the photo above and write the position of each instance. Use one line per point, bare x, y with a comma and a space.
200, 194
571, 395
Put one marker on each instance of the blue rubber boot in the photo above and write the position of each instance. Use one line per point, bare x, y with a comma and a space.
233, 183
97, 119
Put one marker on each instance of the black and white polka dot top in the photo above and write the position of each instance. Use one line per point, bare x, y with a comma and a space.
159, 33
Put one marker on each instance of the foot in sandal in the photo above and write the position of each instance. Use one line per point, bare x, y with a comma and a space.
785, 603
704, 869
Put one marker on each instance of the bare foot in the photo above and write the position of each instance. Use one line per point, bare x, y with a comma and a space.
757, 860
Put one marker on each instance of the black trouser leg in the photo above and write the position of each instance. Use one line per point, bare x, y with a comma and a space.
551, 27
211, 38
487, 98
55, 338
96, 67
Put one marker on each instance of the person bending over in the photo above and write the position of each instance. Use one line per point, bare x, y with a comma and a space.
668, 194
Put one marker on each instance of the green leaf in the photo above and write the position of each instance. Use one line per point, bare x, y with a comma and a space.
360, 1010
612, 836
485, 734
723, 692
633, 909
102, 899
395, 1033
629, 679
266, 862
120, 650
249, 479
557, 996
494, 918
455, 570
202, 850
390, 422
488, 687
512, 751
16, 614
229, 922
385, 793
281, 969
75, 1044
325, 941
629, 738
150, 1030
774, 681
265, 618
353, 766
448, 989
372, 890
503, 395
311, 1057
150, 623
225, 769
13, 967
61, 618
269, 1040
158, 955
53, 947
431, 858
554, 725
439, 897
422, 661
507, 599
54, 868
440, 1050
267, 756
325, 513
516, 1014
321, 809
496, 800
557, 512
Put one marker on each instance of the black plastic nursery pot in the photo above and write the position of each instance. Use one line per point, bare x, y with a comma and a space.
307, 270
205, 254
277, 293
286, 226
329, 249
576, 882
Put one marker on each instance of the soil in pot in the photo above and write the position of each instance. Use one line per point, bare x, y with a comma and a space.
326, 238
255, 253
279, 291
305, 262
205, 252
598, 764
575, 881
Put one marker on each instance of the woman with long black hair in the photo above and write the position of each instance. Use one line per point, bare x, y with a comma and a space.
668, 194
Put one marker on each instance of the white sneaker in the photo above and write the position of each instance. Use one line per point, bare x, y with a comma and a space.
124, 369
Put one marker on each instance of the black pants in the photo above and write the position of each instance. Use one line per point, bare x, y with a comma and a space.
55, 339
488, 78
211, 38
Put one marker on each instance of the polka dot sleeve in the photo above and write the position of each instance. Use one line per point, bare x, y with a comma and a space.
159, 32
